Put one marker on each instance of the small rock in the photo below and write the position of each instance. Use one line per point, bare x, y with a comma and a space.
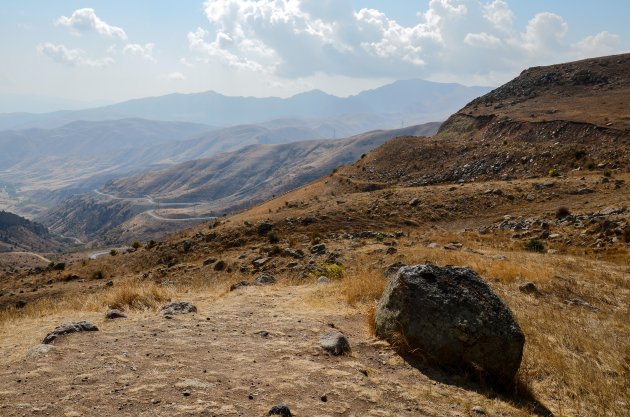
264, 228
39, 350
265, 279
323, 280
20, 304
335, 343
297, 254
219, 266
178, 307
260, 262
453, 246
529, 288
280, 410
239, 284
391, 250
318, 249
414, 202
478, 409
324, 398
581, 303
209, 261
109, 283
115, 314
67, 328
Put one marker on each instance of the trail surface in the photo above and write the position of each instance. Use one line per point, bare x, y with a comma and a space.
239, 355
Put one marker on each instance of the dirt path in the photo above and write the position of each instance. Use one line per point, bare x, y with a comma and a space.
216, 363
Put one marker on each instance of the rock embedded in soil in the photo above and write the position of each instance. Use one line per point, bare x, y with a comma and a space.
323, 280
178, 307
529, 288
239, 284
451, 316
318, 249
265, 279
280, 410
115, 314
68, 328
335, 343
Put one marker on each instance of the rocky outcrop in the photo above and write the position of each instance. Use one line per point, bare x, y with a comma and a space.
68, 328
450, 315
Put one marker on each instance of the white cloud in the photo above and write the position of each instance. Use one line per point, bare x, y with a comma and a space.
454, 39
176, 76
86, 20
603, 43
71, 57
143, 51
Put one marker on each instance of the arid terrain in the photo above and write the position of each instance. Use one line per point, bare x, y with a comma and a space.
537, 206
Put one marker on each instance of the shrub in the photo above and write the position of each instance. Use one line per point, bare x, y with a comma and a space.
534, 245
579, 154
136, 244
380, 237
332, 271
591, 166
113, 252
98, 275
272, 237
151, 244
562, 212
607, 173
552, 172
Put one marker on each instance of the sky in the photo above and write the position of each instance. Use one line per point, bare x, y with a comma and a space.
72, 54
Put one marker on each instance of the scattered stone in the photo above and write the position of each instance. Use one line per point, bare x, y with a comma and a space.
39, 350
209, 261
219, 266
265, 279
393, 268
264, 228
391, 250
433, 245
281, 410
452, 316
585, 191
581, 303
109, 283
239, 284
318, 249
67, 328
335, 343
178, 307
115, 314
260, 262
297, 254
263, 333
478, 409
529, 288
324, 398
323, 280
453, 246
19, 304
414, 202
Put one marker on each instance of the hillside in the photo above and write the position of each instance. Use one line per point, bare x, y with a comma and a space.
553, 245
415, 101
18, 234
213, 186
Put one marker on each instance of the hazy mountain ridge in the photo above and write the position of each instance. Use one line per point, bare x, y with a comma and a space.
20, 234
417, 100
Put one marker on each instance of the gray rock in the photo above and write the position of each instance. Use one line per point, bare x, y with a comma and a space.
450, 315
414, 202
265, 279
297, 254
335, 343
115, 314
68, 328
219, 266
209, 261
239, 284
318, 249
529, 288
280, 410
478, 409
393, 268
178, 307
260, 262
39, 350
323, 280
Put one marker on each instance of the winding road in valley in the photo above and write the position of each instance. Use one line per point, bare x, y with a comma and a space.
153, 214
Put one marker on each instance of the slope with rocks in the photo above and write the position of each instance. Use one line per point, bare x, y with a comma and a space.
20, 234
554, 249
224, 183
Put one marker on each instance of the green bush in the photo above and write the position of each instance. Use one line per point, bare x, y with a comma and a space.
113, 252
332, 271
553, 172
136, 244
534, 245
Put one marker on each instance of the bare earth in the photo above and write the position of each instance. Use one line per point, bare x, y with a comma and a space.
215, 363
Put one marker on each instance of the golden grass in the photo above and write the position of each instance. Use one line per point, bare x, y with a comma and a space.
577, 361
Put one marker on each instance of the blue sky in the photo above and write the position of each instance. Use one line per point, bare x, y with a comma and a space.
69, 53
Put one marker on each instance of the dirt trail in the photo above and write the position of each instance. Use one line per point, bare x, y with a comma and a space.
215, 363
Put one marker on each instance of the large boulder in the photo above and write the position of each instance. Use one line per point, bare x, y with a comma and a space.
451, 316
